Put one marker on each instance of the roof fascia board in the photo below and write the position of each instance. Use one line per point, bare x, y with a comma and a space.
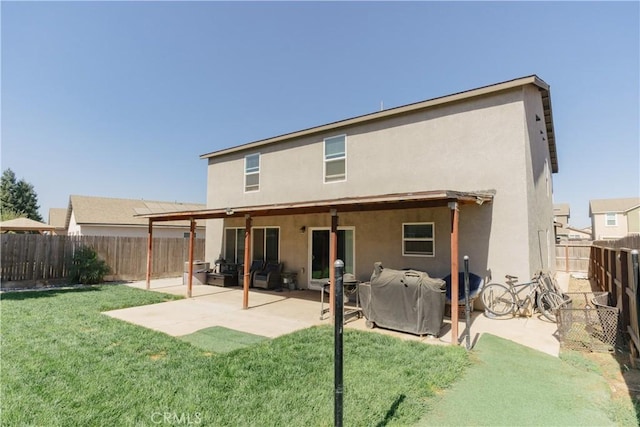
361, 204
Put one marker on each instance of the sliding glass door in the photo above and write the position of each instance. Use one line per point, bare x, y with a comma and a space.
319, 252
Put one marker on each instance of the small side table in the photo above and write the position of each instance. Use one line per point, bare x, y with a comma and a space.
289, 280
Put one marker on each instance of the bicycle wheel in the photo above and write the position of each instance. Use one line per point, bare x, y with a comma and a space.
498, 299
548, 304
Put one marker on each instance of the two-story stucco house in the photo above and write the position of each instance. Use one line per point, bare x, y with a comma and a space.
614, 218
417, 186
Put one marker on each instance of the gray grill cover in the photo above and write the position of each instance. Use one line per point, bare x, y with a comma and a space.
404, 300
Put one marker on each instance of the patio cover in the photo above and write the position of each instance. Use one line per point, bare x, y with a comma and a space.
25, 224
423, 199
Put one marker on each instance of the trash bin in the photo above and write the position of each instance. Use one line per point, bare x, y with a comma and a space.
200, 269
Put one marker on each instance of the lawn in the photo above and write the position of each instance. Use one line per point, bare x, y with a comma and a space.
65, 363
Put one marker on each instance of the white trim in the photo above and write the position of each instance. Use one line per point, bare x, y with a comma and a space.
325, 161
432, 239
314, 283
615, 219
265, 241
257, 172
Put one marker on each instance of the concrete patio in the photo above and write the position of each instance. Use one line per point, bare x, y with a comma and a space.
275, 313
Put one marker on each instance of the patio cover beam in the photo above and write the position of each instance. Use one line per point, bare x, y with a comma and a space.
424, 199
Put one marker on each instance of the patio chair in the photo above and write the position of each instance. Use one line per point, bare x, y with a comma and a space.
256, 265
269, 277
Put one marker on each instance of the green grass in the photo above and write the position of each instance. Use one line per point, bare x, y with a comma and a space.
510, 385
66, 364
218, 339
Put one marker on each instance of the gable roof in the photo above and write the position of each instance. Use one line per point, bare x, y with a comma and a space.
613, 205
89, 210
456, 97
57, 217
25, 224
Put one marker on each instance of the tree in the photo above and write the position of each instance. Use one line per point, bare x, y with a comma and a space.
17, 198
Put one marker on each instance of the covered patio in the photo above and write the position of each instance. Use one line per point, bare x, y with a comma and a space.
429, 199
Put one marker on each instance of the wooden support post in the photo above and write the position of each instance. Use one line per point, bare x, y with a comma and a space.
247, 262
149, 249
454, 271
192, 233
333, 256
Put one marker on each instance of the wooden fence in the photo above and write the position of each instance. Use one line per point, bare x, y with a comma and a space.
33, 259
573, 257
614, 268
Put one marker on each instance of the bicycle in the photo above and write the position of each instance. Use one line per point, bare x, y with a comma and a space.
500, 299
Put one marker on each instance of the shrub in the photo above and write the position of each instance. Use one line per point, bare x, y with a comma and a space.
86, 267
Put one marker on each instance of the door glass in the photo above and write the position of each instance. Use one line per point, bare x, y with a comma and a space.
320, 252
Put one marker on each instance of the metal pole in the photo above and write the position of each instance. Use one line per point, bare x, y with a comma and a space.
338, 327
467, 308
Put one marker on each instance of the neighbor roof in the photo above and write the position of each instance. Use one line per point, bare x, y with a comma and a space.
25, 224
112, 211
613, 205
533, 79
57, 217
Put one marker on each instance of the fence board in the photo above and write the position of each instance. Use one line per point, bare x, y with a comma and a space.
37, 258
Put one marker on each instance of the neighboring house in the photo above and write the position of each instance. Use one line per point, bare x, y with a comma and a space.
395, 181
614, 218
102, 216
57, 218
579, 233
561, 214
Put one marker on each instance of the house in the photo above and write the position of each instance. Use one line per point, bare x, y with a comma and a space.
614, 218
561, 214
103, 216
578, 233
57, 218
417, 186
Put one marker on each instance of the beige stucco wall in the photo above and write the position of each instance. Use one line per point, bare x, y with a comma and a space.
378, 237
474, 145
602, 231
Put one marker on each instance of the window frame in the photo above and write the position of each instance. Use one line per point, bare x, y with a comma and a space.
264, 243
239, 260
607, 216
328, 179
431, 239
253, 171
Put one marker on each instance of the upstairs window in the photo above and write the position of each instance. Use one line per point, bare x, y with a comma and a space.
335, 159
418, 239
252, 172
610, 219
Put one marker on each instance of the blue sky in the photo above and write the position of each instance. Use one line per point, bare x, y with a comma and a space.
119, 99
